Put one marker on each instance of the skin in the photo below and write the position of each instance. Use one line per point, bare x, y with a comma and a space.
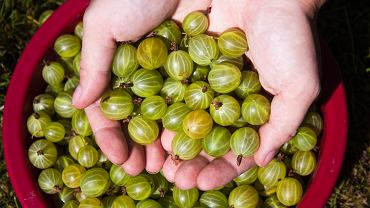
282, 49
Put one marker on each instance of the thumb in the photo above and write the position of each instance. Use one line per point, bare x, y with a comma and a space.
98, 48
287, 113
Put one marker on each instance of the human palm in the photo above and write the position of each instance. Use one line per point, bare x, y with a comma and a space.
283, 52
281, 49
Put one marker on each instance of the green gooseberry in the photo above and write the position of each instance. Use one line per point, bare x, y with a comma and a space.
244, 196
244, 142
198, 95
54, 132
50, 181
185, 148
116, 104
197, 124
173, 90
225, 110
124, 60
151, 53
256, 109
67, 46
232, 43
95, 182
43, 102
143, 130
249, 84
80, 123
153, 107
195, 23
173, 119
37, 122
42, 154
217, 142
63, 105
146, 83
179, 65
203, 49
224, 78
53, 73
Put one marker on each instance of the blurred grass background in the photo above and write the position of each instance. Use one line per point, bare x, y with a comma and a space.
344, 24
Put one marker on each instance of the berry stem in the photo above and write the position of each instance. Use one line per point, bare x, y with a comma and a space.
280, 157
174, 46
239, 160
45, 62
185, 40
126, 85
36, 115
72, 133
216, 104
185, 81
57, 188
168, 100
291, 173
40, 152
36, 101
69, 135
316, 149
176, 159
137, 100
77, 190
162, 193
123, 190
112, 190
204, 89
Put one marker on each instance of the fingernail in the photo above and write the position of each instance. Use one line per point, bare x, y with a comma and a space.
269, 157
76, 95
151, 172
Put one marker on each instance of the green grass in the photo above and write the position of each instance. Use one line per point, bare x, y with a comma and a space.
344, 24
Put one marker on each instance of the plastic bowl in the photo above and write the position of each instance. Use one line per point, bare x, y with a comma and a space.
27, 82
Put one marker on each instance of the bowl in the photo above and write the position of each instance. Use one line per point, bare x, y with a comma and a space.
27, 82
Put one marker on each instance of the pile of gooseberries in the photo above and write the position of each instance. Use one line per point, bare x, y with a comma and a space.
182, 79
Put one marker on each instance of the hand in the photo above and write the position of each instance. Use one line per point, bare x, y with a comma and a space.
282, 50
105, 23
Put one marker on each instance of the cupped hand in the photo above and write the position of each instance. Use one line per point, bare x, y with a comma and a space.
282, 49
105, 23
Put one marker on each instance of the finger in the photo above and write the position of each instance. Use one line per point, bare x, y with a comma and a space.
155, 156
166, 139
221, 171
185, 7
186, 175
287, 112
96, 56
108, 135
170, 167
220, 22
135, 164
